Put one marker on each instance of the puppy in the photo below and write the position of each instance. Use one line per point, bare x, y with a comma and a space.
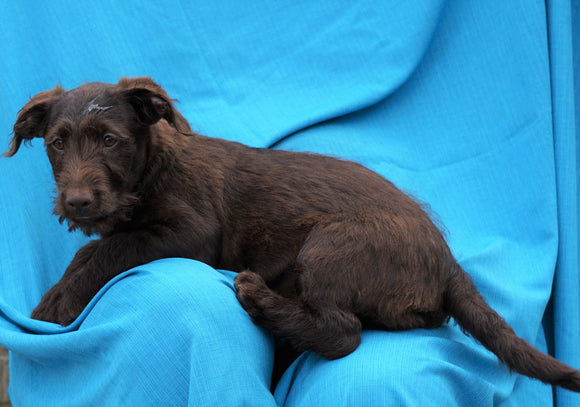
323, 247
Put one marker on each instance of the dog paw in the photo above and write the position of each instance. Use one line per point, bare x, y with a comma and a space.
251, 292
58, 305
247, 279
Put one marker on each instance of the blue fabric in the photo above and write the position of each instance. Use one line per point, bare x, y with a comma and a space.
468, 106
180, 344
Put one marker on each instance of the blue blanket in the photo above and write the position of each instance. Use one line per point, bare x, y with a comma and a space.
468, 106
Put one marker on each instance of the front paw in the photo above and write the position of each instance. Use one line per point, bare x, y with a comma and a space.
58, 305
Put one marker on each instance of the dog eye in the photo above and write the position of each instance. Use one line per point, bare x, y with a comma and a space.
58, 144
109, 140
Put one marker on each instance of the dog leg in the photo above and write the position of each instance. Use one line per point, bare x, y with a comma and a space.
348, 271
323, 329
100, 260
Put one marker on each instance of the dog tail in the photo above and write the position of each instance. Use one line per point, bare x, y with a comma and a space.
466, 305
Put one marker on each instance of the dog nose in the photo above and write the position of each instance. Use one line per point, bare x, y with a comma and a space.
79, 199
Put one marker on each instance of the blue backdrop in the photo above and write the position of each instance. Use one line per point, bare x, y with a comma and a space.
469, 106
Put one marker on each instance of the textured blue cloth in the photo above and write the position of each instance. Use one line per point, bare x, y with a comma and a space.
468, 106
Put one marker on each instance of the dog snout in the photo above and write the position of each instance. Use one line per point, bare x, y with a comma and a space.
79, 200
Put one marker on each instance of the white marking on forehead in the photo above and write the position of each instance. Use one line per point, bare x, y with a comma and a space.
94, 106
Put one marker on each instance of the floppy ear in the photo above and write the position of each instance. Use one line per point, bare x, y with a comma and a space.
152, 103
32, 118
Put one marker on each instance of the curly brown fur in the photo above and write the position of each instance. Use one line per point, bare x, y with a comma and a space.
324, 247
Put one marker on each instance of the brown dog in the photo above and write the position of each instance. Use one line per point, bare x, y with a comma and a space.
324, 247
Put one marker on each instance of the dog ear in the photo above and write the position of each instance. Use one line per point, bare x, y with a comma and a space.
152, 103
32, 118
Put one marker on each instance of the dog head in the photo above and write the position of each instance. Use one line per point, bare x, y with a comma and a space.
97, 140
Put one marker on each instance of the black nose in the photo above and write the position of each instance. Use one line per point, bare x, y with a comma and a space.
79, 199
